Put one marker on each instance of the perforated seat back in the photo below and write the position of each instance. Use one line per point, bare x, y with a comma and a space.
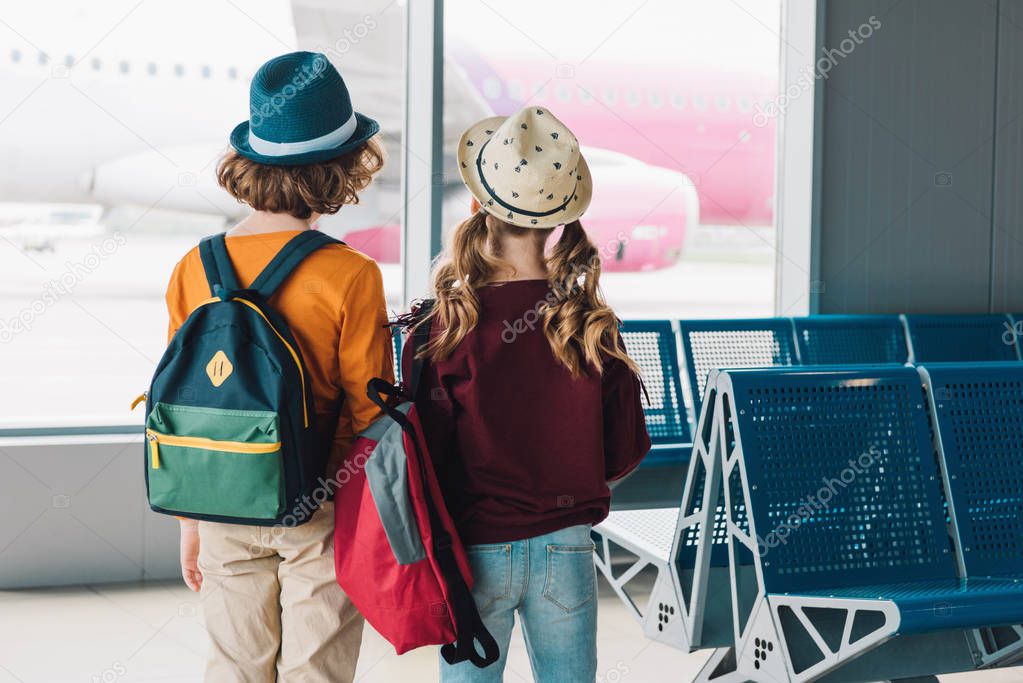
651, 343
961, 338
851, 339
718, 344
844, 487
979, 409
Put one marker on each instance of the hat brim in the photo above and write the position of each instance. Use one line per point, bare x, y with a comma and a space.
364, 130
467, 168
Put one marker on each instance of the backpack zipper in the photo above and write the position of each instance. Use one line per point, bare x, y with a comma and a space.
156, 438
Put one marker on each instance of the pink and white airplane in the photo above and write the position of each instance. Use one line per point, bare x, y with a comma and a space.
696, 124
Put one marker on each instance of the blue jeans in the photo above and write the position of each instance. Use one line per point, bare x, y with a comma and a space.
551, 582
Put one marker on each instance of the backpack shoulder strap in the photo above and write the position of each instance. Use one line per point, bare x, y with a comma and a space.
290, 255
217, 263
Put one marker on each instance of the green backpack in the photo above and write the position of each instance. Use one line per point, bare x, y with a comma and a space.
230, 427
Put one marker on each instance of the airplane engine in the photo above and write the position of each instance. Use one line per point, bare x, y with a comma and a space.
188, 183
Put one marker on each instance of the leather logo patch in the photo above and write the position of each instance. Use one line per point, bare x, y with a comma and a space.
219, 368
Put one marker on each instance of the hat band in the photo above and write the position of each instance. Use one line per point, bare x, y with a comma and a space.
512, 207
333, 139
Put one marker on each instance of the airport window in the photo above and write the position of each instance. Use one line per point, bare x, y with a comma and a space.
86, 257
658, 110
660, 151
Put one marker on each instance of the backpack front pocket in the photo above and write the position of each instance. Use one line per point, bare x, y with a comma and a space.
215, 461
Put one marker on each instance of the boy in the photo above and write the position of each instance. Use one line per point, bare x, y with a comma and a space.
271, 604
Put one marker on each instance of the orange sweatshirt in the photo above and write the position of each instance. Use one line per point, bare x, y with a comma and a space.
333, 302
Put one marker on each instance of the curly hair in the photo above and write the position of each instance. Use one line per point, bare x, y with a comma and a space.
580, 327
303, 190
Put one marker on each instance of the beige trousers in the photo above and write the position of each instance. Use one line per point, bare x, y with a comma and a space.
272, 607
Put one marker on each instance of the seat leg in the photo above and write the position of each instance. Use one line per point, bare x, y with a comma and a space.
720, 668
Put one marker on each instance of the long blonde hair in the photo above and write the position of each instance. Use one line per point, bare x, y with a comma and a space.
579, 325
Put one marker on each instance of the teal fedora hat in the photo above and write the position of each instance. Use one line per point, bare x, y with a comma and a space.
300, 112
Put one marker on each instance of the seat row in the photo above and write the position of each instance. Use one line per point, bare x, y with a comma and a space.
839, 523
676, 356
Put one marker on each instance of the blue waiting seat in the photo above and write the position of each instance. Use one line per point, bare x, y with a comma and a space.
961, 338
851, 339
689, 604
652, 344
837, 533
746, 343
979, 417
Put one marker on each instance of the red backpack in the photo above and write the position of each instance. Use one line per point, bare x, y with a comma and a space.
396, 551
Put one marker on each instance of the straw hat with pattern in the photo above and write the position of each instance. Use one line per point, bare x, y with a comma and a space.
526, 169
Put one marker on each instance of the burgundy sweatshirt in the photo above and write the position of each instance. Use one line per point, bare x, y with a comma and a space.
521, 447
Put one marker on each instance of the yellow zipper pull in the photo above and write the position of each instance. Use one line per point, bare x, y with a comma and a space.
139, 399
154, 449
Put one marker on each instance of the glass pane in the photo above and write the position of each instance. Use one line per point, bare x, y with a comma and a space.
108, 176
667, 98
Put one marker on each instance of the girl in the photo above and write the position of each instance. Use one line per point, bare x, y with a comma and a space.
529, 401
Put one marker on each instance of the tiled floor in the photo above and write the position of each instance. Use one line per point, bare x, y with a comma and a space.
130, 633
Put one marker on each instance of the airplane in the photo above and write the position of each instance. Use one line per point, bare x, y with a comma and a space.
125, 123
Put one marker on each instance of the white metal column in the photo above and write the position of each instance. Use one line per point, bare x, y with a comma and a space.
422, 151
796, 284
